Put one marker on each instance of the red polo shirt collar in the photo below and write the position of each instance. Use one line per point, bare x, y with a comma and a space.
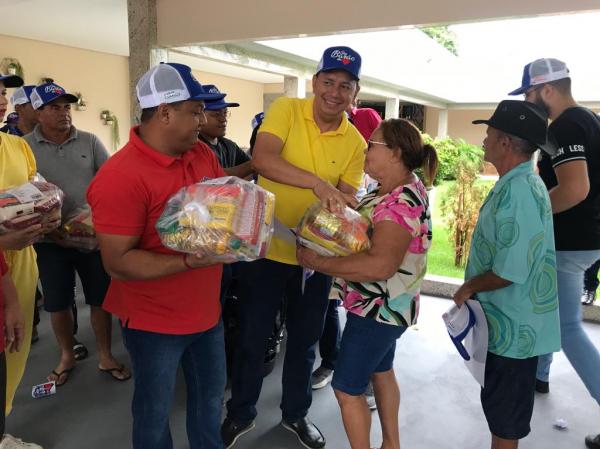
164, 160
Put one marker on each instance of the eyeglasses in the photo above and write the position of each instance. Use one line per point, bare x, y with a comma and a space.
220, 113
370, 143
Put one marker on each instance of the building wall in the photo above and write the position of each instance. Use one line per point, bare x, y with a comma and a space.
248, 94
101, 78
459, 123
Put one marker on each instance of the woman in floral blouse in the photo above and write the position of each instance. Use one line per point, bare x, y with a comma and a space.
380, 287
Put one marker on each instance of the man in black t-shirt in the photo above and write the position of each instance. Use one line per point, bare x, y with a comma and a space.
233, 159
572, 176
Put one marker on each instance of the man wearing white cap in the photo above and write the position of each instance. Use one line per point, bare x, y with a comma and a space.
306, 150
572, 178
168, 302
511, 271
26, 115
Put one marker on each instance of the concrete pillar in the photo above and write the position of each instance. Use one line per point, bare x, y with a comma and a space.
442, 130
392, 108
143, 50
294, 87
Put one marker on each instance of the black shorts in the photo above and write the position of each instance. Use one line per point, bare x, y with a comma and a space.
508, 395
57, 266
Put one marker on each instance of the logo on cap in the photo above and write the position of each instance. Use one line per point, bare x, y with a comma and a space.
342, 56
53, 89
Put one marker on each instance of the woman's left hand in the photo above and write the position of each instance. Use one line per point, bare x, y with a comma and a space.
307, 258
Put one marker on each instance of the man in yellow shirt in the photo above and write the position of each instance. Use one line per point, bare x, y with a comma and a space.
306, 151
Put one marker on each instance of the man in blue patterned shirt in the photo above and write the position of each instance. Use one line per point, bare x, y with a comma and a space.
511, 270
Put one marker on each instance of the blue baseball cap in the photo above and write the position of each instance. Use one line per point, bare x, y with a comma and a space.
258, 119
22, 95
12, 118
541, 71
340, 58
11, 80
459, 327
45, 93
217, 104
169, 82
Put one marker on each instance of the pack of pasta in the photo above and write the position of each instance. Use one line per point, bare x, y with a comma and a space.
333, 233
222, 218
77, 230
35, 202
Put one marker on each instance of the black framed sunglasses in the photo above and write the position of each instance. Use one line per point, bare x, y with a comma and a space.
370, 144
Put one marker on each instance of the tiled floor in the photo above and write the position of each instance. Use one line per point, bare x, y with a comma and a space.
440, 401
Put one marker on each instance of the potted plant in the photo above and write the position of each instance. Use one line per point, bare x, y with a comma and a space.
81, 104
13, 67
111, 120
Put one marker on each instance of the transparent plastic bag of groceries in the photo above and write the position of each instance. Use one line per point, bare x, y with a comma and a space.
333, 234
28, 204
222, 218
77, 230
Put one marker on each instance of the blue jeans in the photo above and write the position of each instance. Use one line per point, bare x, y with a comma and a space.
263, 284
329, 343
581, 352
155, 359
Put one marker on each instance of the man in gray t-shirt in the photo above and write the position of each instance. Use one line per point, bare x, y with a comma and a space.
70, 158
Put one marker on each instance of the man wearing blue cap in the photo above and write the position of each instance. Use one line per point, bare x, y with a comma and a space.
70, 158
511, 270
167, 302
232, 158
571, 177
306, 150
26, 117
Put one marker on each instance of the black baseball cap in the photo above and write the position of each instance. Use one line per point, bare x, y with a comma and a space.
522, 119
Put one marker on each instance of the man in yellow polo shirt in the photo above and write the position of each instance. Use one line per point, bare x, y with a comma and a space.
306, 151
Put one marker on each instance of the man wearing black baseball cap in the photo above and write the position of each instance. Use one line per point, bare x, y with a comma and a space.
511, 270
572, 179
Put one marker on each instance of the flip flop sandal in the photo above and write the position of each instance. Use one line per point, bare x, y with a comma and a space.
80, 352
58, 375
111, 372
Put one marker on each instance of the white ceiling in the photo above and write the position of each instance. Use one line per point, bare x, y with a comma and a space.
483, 73
233, 71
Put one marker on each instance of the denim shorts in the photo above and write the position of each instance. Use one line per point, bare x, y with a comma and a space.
367, 347
508, 395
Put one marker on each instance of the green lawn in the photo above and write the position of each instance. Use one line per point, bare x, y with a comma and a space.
440, 259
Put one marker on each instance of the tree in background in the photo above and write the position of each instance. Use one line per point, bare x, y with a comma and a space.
443, 36
463, 200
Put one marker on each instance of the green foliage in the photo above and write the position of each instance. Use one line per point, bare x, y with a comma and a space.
460, 205
443, 36
449, 152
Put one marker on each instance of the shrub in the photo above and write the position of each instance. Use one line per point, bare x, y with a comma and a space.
450, 151
461, 204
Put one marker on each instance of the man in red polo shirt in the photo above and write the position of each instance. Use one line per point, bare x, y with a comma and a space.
168, 302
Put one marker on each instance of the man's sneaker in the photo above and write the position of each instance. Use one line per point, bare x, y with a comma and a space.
320, 377
231, 431
370, 397
308, 434
542, 386
10, 442
592, 441
588, 297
